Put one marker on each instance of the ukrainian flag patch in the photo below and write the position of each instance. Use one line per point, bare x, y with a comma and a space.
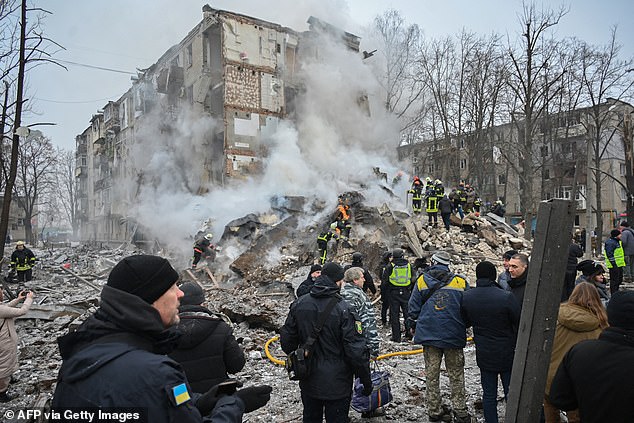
181, 395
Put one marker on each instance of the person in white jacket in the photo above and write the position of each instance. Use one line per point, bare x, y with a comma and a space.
9, 338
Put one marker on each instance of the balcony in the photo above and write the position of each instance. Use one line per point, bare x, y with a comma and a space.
102, 184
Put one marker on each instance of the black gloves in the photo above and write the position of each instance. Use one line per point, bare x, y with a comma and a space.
254, 397
207, 401
367, 386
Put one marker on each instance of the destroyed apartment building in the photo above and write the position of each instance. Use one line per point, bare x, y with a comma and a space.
239, 72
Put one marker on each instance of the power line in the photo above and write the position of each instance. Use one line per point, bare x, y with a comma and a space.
95, 67
70, 102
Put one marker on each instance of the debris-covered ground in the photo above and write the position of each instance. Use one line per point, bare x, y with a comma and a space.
262, 260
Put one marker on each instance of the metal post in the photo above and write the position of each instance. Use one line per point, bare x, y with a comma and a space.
539, 311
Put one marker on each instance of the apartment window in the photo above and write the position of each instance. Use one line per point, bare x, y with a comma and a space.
462, 144
501, 179
546, 174
190, 55
547, 195
415, 170
563, 192
544, 150
622, 169
431, 169
623, 194
463, 163
414, 159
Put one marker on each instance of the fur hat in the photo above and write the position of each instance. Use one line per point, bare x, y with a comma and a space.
194, 294
147, 277
590, 267
441, 257
486, 270
621, 309
333, 271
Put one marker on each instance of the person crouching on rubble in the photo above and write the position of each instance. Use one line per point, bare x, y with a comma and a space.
116, 358
9, 338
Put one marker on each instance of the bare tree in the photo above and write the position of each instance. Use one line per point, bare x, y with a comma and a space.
604, 76
529, 80
36, 176
66, 189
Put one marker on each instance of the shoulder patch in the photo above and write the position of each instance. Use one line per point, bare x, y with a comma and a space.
358, 327
181, 394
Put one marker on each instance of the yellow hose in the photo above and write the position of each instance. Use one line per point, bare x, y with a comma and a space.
381, 357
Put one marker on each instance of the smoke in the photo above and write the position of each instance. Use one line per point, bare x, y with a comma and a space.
341, 132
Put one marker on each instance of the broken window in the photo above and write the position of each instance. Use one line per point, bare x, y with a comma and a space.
190, 55
463, 163
501, 179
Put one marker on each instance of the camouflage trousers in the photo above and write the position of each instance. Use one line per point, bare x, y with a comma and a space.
454, 363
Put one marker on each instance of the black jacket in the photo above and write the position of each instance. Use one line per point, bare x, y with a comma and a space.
518, 286
574, 252
494, 315
116, 359
339, 352
368, 285
596, 377
445, 206
207, 350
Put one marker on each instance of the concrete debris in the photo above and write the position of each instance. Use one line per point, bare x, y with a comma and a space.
255, 289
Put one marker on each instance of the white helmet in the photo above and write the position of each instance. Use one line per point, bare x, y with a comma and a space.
333, 225
208, 237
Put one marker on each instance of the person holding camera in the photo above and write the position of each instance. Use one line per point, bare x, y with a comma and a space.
9, 338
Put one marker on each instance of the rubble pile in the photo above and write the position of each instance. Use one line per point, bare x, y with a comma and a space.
253, 290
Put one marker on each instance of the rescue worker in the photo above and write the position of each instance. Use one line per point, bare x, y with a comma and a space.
439, 188
203, 248
386, 258
22, 262
471, 196
431, 208
477, 204
398, 277
343, 220
417, 196
357, 261
614, 259
322, 242
461, 195
430, 188
498, 208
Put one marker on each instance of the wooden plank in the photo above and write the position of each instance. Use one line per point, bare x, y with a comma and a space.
51, 312
539, 312
414, 242
87, 282
192, 276
211, 276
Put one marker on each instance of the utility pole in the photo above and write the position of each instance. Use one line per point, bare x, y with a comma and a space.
589, 182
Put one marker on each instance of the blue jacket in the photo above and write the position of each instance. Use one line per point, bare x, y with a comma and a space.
439, 321
494, 314
116, 359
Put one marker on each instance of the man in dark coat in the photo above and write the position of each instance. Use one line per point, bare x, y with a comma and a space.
518, 268
304, 287
574, 252
207, 350
22, 261
357, 261
116, 358
445, 206
494, 315
339, 353
596, 375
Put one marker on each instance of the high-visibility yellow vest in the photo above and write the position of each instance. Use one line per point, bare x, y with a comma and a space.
401, 275
432, 204
619, 257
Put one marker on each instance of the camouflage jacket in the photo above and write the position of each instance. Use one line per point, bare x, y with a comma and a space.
364, 308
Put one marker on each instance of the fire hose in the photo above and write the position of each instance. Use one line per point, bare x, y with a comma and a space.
381, 357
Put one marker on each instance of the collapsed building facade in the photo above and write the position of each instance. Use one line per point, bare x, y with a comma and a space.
239, 72
561, 143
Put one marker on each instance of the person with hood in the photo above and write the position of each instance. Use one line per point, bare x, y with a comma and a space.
596, 375
574, 252
494, 315
207, 351
614, 259
304, 287
9, 338
593, 273
503, 279
518, 268
398, 278
357, 261
22, 261
117, 357
582, 317
436, 322
339, 353
445, 206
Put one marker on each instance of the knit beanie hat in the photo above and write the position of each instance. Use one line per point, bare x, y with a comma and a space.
147, 277
614, 233
486, 270
314, 268
194, 294
621, 309
333, 271
509, 254
441, 257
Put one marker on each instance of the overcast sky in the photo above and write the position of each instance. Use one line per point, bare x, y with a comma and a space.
122, 35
